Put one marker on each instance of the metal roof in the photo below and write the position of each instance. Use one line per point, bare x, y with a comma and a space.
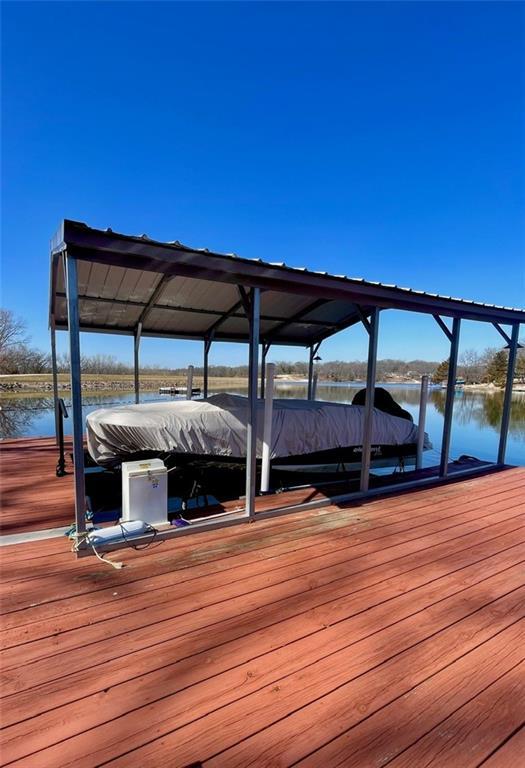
181, 292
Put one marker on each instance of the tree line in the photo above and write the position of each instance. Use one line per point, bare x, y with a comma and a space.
17, 356
489, 367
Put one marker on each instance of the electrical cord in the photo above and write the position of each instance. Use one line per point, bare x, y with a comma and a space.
85, 537
150, 528
78, 539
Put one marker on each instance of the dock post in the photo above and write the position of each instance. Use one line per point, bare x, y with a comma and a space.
373, 331
251, 426
267, 432
314, 385
207, 345
310, 373
507, 399
71, 280
136, 369
189, 383
265, 350
55, 379
449, 402
423, 399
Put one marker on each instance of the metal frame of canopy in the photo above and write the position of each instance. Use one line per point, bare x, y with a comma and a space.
356, 300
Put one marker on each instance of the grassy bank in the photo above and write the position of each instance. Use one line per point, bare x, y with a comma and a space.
37, 383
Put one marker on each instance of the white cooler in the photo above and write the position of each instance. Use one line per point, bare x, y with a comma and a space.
145, 491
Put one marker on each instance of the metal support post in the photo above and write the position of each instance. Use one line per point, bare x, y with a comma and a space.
136, 369
310, 373
314, 349
423, 399
70, 268
265, 350
314, 385
207, 347
267, 432
251, 426
507, 399
205, 371
369, 400
189, 383
55, 381
449, 402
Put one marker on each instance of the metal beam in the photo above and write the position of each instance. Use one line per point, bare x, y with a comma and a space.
237, 338
299, 316
55, 378
505, 335
120, 250
251, 427
369, 400
70, 270
136, 368
265, 350
245, 299
314, 349
352, 318
207, 347
197, 311
159, 290
502, 333
449, 402
222, 319
507, 399
364, 319
310, 373
443, 327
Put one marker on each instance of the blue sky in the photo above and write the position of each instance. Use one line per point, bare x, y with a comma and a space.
383, 141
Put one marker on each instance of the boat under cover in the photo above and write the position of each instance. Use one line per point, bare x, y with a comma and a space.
217, 427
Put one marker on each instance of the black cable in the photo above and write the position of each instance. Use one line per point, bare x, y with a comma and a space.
136, 546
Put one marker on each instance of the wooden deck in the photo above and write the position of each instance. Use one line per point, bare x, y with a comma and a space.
386, 633
33, 498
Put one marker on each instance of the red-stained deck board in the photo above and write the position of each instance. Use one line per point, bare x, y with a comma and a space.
509, 752
209, 654
343, 636
474, 730
178, 618
342, 619
341, 650
325, 545
199, 555
33, 498
242, 572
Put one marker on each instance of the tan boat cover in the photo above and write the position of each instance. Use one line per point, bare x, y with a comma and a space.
217, 427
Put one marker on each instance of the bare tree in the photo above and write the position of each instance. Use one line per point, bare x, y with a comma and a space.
16, 356
472, 366
12, 331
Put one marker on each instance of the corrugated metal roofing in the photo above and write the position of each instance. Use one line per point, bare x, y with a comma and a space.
186, 292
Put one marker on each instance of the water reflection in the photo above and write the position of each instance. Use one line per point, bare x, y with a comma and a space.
484, 409
476, 419
34, 415
18, 414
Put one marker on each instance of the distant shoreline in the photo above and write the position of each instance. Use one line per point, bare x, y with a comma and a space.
27, 384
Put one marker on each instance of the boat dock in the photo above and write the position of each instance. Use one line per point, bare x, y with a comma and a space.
363, 620
383, 632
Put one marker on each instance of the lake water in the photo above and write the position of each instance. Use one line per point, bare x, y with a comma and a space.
476, 422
